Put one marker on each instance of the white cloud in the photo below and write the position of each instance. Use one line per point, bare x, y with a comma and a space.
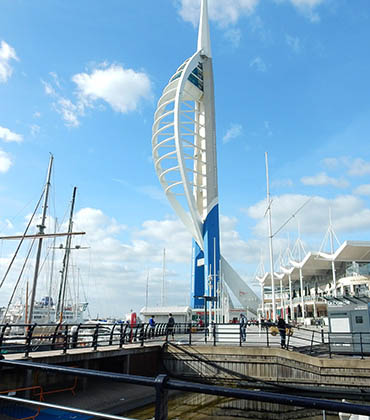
293, 42
258, 64
323, 179
362, 190
267, 126
306, 7
7, 53
281, 183
358, 167
121, 88
49, 90
224, 12
234, 35
234, 248
35, 130
228, 12
348, 214
9, 224
69, 111
5, 162
9, 136
331, 163
355, 166
233, 132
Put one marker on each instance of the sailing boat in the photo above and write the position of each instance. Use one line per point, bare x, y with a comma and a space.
45, 310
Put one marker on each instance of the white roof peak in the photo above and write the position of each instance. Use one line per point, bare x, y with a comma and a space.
204, 39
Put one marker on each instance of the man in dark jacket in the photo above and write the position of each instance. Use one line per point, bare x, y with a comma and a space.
282, 330
171, 326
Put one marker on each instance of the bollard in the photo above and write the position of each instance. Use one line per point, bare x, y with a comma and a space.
161, 402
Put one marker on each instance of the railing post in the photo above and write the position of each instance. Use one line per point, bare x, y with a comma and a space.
322, 336
166, 335
2, 334
313, 334
190, 334
29, 338
329, 345
362, 350
111, 335
214, 334
142, 335
54, 339
65, 339
267, 336
161, 404
121, 336
240, 335
95, 337
147, 331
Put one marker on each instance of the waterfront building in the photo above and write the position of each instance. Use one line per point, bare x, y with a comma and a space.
305, 287
184, 155
181, 314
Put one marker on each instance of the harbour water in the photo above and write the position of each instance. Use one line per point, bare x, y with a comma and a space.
189, 406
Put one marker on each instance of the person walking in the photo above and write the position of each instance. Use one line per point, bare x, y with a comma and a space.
282, 331
151, 326
243, 326
171, 326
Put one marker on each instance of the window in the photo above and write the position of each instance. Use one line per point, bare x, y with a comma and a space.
359, 319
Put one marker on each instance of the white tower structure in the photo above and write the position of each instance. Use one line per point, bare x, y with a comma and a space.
184, 154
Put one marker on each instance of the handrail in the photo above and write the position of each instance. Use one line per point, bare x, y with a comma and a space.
66, 338
163, 383
61, 407
28, 388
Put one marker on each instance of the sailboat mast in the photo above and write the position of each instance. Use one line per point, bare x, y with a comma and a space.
270, 240
62, 289
52, 269
163, 298
40, 232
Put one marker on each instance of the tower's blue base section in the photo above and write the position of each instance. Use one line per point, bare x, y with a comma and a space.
206, 264
197, 276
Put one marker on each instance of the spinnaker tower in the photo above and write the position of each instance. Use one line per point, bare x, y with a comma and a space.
185, 160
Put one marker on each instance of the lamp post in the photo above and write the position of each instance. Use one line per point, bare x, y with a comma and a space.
206, 299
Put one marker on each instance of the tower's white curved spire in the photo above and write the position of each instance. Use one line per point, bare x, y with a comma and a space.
204, 39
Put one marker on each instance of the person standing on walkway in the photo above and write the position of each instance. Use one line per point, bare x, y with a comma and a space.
282, 331
243, 326
151, 326
171, 326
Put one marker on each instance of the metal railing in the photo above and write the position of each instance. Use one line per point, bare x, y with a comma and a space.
26, 339
163, 383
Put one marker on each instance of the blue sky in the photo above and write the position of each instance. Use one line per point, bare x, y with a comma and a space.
81, 80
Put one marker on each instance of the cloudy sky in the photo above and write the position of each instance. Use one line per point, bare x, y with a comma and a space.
81, 80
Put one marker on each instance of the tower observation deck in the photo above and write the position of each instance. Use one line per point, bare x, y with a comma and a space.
185, 160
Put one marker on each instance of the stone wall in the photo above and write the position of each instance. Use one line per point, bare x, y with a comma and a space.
265, 364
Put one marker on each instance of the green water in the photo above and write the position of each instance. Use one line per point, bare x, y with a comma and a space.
189, 406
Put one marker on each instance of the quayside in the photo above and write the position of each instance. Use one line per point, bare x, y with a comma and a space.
189, 406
